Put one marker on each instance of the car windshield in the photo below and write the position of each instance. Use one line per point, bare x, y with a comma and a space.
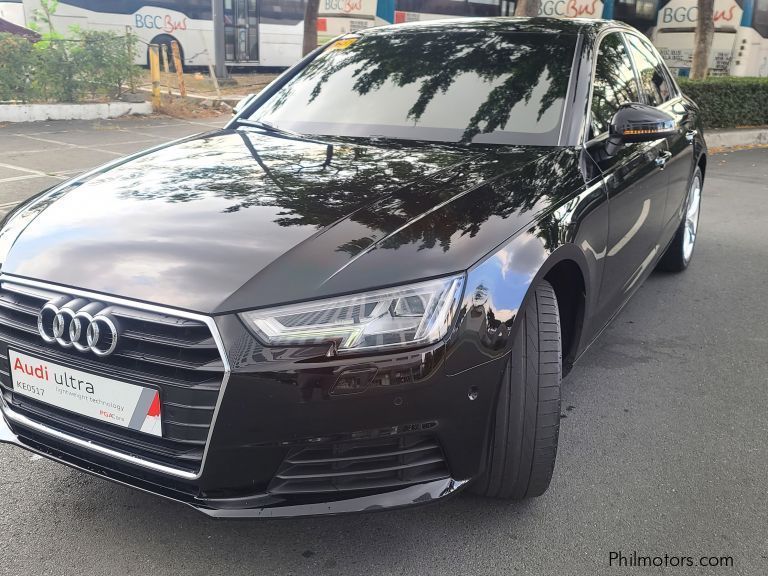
458, 85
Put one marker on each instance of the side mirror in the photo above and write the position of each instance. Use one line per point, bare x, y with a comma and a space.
638, 123
242, 104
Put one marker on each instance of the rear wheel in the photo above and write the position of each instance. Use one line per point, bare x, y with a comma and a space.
680, 251
527, 423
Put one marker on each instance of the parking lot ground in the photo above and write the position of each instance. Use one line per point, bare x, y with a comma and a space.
663, 451
34, 156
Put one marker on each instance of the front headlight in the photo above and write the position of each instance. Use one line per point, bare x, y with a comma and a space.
416, 314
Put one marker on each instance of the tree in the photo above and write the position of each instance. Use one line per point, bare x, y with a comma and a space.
310, 26
702, 39
527, 7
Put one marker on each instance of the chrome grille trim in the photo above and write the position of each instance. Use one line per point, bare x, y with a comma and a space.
8, 279
103, 450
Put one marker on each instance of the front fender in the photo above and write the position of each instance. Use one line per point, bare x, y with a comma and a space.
498, 287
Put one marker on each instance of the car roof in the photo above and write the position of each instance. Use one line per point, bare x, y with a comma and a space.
542, 25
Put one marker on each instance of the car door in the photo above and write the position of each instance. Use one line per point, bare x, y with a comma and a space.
634, 177
661, 92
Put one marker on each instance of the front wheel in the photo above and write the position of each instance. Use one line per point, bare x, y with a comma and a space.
523, 447
680, 251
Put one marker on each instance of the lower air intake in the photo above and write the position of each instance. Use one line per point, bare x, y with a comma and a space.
361, 465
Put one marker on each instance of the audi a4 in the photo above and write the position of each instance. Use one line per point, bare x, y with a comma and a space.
365, 290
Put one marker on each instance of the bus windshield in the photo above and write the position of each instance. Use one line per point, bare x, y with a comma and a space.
463, 86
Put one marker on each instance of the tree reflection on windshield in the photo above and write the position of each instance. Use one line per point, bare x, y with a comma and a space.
385, 192
433, 83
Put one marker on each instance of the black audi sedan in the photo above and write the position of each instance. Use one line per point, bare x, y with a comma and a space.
364, 291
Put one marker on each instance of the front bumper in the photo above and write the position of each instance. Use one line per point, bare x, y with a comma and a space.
256, 506
270, 411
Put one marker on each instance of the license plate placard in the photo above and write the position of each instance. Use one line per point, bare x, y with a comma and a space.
103, 399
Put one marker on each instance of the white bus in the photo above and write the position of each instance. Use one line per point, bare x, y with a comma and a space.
270, 32
739, 45
12, 11
257, 32
343, 16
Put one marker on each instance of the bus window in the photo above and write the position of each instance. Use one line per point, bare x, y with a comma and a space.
614, 83
482, 8
760, 19
282, 11
447, 7
652, 75
646, 9
195, 9
638, 13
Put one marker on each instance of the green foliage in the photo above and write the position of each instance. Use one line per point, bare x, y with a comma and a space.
43, 14
65, 69
105, 62
87, 65
18, 61
728, 102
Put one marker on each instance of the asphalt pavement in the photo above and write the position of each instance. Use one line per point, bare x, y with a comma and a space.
663, 446
37, 155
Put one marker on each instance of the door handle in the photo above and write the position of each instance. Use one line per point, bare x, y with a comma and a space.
690, 135
662, 158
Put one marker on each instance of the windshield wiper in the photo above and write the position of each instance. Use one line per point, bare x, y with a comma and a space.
269, 127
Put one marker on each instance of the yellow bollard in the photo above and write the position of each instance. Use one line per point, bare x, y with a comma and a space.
164, 54
179, 70
154, 74
166, 67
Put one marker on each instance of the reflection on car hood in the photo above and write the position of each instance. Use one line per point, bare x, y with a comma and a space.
239, 219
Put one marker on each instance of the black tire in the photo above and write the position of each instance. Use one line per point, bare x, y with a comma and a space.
675, 258
524, 436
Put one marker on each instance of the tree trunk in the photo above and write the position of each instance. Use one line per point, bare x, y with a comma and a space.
527, 7
702, 39
310, 26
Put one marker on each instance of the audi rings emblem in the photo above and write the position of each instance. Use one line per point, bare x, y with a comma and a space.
86, 326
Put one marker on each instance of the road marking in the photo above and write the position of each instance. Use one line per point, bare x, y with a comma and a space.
77, 146
66, 172
25, 177
28, 171
20, 169
144, 141
49, 141
9, 204
36, 150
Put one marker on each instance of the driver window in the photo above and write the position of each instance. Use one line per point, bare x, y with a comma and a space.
651, 72
615, 83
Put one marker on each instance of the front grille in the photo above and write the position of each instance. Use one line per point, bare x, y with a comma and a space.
177, 356
361, 465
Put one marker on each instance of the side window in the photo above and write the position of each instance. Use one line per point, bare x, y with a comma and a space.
651, 71
614, 84
760, 20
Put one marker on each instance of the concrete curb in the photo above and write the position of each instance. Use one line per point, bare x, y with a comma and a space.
40, 112
729, 138
229, 99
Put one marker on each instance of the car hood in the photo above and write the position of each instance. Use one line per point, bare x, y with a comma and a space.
240, 219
